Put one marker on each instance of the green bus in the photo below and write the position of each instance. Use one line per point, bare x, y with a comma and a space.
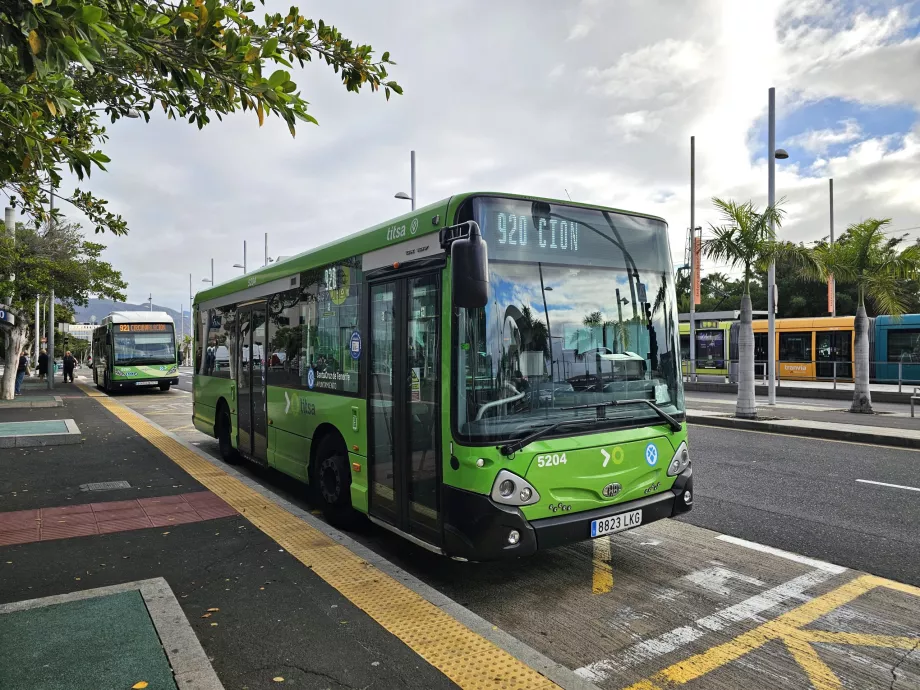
135, 349
485, 376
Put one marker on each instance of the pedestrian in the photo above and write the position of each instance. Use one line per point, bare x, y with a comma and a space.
69, 364
42, 365
21, 371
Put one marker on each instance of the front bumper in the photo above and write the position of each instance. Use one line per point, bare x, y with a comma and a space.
124, 384
476, 528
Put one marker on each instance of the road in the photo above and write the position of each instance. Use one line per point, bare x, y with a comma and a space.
622, 609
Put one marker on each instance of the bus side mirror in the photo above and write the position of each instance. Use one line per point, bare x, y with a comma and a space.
469, 272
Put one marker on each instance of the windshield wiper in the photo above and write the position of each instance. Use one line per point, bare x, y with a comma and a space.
515, 446
672, 423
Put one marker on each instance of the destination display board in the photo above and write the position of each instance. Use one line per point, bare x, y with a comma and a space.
143, 327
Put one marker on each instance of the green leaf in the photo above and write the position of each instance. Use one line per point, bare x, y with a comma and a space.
91, 14
269, 47
278, 78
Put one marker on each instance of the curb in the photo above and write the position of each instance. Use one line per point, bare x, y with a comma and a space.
831, 434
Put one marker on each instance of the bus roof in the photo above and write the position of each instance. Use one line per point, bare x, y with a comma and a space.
427, 220
137, 317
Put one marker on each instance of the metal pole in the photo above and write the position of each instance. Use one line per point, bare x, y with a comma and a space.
546, 313
191, 311
212, 272
832, 284
10, 222
771, 279
412, 170
244, 257
693, 267
51, 341
38, 329
266, 250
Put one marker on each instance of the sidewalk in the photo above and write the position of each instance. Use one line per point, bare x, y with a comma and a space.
119, 566
892, 424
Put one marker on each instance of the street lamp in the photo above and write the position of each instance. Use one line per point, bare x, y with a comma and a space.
240, 266
403, 195
207, 280
773, 154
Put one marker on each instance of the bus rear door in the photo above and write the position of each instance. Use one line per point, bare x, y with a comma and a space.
250, 382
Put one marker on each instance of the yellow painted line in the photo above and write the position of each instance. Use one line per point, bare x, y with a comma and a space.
602, 579
789, 628
466, 658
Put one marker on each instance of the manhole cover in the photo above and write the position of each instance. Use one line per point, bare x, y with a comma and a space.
105, 486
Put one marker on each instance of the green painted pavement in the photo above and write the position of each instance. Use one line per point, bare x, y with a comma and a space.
36, 428
104, 642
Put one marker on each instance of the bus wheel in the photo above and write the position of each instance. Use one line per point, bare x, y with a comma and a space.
224, 428
332, 479
164, 386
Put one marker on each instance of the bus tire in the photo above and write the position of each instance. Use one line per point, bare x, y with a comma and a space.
332, 481
224, 427
164, 386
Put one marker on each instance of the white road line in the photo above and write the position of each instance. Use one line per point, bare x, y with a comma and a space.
749, 609
788, 555
893, 486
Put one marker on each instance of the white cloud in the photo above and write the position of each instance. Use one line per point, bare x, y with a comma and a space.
657, 72
632, 125
818, 140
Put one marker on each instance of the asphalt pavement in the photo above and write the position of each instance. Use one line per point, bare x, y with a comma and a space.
802, 495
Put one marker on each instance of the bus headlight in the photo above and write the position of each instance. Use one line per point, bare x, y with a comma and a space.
680, 461
512, 490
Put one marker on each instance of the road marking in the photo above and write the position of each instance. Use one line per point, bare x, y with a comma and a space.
790, 629
465, 657
746, 610
893, 486
800, 436
602, 579
788, 555
714, 579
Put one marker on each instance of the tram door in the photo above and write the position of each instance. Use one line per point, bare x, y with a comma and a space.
404, 404
252, 367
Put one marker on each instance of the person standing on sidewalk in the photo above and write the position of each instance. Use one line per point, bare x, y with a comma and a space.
42, 365
21, 371
69, 364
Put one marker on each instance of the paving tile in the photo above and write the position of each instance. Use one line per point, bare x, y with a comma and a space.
66, 510
168, 509
124, 513
213, 513
19, 519
19, 536
113, 505
161, 500
68, 531
124, 524
72, 519
178, 519
202, 497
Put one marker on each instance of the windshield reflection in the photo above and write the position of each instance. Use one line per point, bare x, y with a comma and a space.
556, 336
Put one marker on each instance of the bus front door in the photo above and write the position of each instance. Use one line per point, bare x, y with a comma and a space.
404, 405
250, 383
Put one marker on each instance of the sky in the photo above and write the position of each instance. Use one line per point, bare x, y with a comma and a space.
593, 99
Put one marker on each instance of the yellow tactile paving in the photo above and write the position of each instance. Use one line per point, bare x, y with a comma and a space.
466, 658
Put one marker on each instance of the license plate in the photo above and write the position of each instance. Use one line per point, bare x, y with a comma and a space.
145, 383
616, 523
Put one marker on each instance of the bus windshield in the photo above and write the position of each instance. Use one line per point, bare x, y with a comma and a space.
582, 313
145, 348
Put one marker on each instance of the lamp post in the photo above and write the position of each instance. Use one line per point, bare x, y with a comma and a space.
831, 283
773, 154
403, 195
693, 266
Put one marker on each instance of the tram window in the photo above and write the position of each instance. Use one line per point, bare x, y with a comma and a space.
795, 347
904, 345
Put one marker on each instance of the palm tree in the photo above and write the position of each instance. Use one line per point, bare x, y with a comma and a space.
746, 240
881, 271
